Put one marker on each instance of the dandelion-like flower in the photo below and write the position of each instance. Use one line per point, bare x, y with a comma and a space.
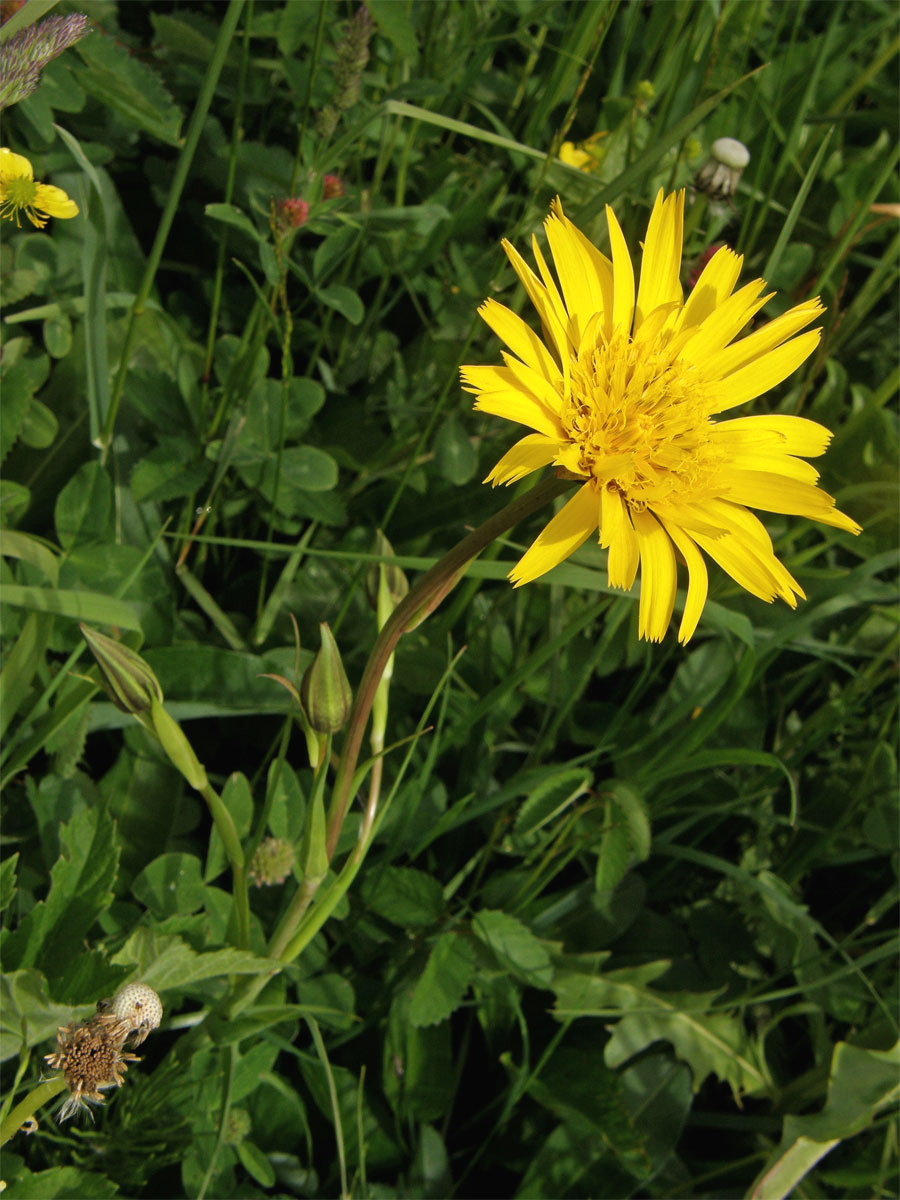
19, 193
584, 156
623, 393
92, 1059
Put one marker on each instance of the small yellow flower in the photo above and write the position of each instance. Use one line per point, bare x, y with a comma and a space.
19, 192
622, 394
584, 156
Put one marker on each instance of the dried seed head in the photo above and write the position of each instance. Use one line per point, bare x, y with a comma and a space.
92, 1060
721, 173
138, 1007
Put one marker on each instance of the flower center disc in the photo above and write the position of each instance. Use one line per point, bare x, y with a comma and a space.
638, 420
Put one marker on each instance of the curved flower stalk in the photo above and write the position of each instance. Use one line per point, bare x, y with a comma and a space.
624, 392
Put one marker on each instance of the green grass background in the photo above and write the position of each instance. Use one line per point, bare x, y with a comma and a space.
629, 924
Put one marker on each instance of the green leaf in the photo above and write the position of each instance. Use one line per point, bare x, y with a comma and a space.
556, 790
393, 22
52, 934
40, 427
165, 961
515, 946
861, 1084
303, 468
230, 214
710, 1042
172, 883
403, 895
454, 453
57, 333
61, 1181
27, 1014
8, 880
92, 607
615, 850
129, 86
84, 507
255, 1163
17, 393
449, 971
343, 300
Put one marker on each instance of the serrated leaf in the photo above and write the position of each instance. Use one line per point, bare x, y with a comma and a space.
129, 86
61, 1181
8, 880
449, 971
403, 895
52, 934
164, 961
515, 946
551, 796
27, 1014
17, 392
710, 1042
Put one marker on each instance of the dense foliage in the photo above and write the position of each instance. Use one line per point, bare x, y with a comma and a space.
627, 926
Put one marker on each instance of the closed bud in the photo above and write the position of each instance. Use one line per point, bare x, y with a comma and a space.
325, 690
272, 862
129, 682
394, 580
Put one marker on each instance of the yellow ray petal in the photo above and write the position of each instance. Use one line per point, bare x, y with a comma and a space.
774, 432
54, 202
748, 349
617, 532
725, 322
544, 305
569, 529
773, 493
532, 381
598, 266
574, 278
698, 582
518, 406
14, 166
658, 577
661, 261
766, 372
776, 464
527, 455
520, 338
741, 561
623, 278
713, 288
566, 319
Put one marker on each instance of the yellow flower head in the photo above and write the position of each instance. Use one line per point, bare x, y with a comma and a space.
19, 192
622, 394
584, 156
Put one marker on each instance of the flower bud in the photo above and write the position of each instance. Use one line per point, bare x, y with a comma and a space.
395, 581
325, 691
128, 680
272, 862
720, 175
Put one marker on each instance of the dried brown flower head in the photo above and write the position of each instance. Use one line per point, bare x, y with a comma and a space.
91, 1057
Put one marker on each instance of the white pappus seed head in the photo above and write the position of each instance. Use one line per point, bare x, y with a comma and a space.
139, 1006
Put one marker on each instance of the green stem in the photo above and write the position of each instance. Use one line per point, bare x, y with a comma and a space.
198, 121
26, 1108
232, 843
415, 606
